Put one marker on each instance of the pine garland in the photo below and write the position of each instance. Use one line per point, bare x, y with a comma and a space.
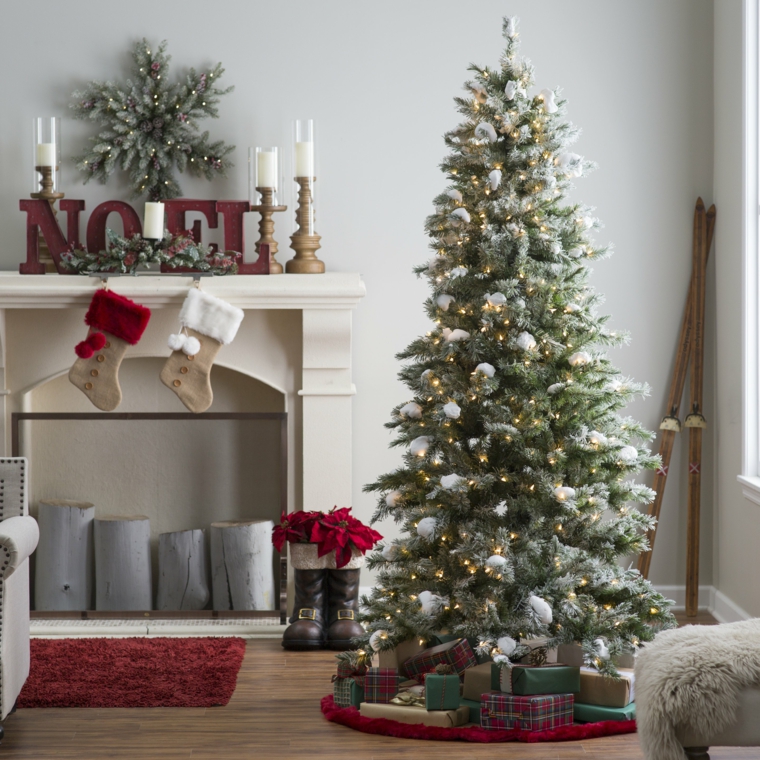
124, 255
151, 126
516, 492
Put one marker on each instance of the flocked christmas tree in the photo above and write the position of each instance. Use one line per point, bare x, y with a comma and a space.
516, 494
151, 126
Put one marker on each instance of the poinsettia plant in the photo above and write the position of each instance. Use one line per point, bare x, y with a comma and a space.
337, 530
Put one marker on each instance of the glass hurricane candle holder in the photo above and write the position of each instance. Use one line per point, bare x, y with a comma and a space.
46, 154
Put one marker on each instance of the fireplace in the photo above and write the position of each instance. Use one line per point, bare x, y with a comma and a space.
291, 357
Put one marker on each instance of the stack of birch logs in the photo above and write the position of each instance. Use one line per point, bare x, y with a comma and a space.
80, 553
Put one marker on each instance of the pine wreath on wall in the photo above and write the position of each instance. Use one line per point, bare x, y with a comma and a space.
151, 126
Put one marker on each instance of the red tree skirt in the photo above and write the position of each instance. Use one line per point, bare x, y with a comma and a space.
350, 716
132, 672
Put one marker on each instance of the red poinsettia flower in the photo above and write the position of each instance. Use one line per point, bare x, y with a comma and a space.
294, 528
339, 531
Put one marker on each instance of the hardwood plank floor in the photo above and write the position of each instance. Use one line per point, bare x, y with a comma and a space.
274, 713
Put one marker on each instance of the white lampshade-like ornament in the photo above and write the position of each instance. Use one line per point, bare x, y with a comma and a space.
454, 194
541, 608
426, 527
390, 552
548, 98
484, 368
496, 299
376, 638
602, 651
444, 301
461, 213
411, 410
564, 493
452, 410
392, 498
496, 562
526, 341
507, 645
486, 131
419, 446
579, 359
450, 482
454, 336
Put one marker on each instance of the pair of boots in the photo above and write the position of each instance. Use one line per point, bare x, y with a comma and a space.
325, 610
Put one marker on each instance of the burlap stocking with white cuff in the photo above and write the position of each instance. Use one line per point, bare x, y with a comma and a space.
208, 323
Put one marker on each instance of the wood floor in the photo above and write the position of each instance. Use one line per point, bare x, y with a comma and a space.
275, 714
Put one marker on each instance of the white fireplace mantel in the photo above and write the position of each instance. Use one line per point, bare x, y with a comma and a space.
313, 371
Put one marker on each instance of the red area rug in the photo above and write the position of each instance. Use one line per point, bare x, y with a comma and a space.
133, 672
350, 716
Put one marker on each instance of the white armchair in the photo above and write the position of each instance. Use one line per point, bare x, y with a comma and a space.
18, 539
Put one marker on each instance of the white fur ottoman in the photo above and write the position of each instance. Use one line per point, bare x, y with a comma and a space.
697, 687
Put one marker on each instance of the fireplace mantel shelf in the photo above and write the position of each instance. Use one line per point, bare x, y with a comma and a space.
333, 290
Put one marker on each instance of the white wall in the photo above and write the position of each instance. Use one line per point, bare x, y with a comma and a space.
380, 78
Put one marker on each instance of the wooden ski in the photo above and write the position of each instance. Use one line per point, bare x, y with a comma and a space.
670, 424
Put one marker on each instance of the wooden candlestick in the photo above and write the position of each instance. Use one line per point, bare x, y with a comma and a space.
48, 194
266, 226
303, 242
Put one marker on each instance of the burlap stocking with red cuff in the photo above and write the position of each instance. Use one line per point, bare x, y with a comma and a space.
208, 323
115, 323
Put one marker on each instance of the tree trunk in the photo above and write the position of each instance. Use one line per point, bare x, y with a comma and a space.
63, 579
122, 563
241, 565
182, 573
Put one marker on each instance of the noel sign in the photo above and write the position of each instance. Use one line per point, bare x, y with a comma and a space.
40, 219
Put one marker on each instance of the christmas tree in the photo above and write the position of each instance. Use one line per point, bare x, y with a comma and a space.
516, 493
151, 126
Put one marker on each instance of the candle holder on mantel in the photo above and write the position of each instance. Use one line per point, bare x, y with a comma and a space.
266, 226
46, 159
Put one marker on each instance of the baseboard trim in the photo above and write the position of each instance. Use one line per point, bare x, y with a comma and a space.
723, 609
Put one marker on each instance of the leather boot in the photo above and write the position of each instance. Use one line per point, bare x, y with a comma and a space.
307, 624
343, 608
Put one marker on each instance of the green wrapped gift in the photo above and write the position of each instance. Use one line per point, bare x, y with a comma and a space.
528, 680
594, 713
347, 692
441, 692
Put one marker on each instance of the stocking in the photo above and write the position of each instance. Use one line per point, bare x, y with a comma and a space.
115, 323
208, 323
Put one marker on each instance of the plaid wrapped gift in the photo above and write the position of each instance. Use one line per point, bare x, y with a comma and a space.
380, 685
499, 711
347, 670
347, 692
456, 653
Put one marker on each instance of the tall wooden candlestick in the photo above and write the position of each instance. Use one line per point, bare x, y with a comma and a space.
304, 242
266, 226
48, 194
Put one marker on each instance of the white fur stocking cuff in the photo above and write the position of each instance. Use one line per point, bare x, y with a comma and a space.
210, 316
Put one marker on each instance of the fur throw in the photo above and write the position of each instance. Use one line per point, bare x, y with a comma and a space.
688, 678
210, 316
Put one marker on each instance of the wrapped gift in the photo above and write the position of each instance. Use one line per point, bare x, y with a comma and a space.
541, 713
596, 689
380, 684
484, 678
347, 692
596, 713
457, 653
572, 654
395, 658
546, 679
444, 638
404, 714
538, 648
442, 692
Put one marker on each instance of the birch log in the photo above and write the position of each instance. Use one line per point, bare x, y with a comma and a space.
122, 563
241, 565
63, 578
182, 572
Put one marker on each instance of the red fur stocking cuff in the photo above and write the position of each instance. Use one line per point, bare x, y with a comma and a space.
117, 315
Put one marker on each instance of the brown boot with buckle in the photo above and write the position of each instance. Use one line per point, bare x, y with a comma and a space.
307, 626
343, 608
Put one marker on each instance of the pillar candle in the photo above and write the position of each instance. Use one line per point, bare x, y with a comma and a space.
45, 154
267, 168
153, 224
304, 159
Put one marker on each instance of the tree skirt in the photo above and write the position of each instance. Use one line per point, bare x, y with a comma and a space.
132, 672
350, 716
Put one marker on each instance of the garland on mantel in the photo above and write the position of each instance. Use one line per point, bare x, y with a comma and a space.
124, 255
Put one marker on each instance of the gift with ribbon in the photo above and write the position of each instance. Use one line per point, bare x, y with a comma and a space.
348, 684
380, 685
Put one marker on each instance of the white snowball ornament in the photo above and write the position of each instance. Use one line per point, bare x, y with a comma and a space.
486, 130
376, 638
496, 562
429, 602
496, 299
507, 645
571, 307
555, 388
426, 527
392, 498
461, 213
419, 446
454, 336
541, 608
526, 341
575, 253
455, 195
579, 358
494, 178
450, 482
452, 410
547, 96
628, 454
510, 90
484, 368
412, 410
458, 272
564, 493
602, 652
444, 301
596, 438
390, 552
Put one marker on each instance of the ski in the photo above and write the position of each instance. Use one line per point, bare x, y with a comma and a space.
671, 424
